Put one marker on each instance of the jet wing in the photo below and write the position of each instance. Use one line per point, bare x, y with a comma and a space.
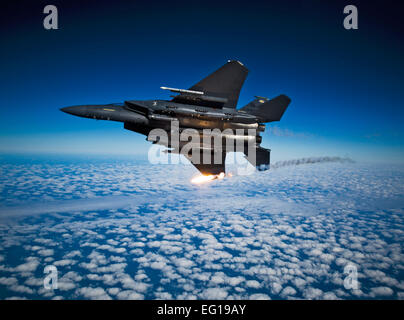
223, 85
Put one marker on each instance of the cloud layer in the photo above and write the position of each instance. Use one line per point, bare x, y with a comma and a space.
148, 233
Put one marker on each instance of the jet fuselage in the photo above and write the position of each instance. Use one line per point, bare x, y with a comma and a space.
203, 113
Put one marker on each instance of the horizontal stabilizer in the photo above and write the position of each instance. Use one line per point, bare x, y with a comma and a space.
268, 110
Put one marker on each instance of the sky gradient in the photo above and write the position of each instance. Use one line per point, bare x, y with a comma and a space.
346, 86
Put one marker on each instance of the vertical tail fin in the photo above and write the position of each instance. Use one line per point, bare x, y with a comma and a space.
225, 82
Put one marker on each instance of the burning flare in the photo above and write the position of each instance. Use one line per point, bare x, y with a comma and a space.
202, 178
205, 178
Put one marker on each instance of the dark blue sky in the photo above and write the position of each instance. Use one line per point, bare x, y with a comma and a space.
346, 86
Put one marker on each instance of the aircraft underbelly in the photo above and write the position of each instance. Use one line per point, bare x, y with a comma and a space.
196, 123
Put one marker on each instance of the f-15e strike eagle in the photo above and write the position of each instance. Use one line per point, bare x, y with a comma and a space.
209, 109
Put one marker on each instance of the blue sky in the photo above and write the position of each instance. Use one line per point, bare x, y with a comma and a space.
345, 86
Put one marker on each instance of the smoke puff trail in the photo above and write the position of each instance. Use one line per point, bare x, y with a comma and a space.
296, 162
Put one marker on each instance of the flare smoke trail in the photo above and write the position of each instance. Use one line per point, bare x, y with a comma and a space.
297, 162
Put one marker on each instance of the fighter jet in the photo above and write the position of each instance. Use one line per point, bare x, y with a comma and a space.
207, 110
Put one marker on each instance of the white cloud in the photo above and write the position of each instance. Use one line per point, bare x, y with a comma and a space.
72, 254
183, 262
253, 284
129, 295
93, 293
214, 294
288, 291
313, 293
259, 296
381, 292
8, 281
64, 262
21, 289
29, 266
284, 242
46, 252
158, 265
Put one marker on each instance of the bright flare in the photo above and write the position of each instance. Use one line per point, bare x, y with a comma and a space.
202, 178
205, 178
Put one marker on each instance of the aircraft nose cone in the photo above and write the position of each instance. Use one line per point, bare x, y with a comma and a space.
75, 110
